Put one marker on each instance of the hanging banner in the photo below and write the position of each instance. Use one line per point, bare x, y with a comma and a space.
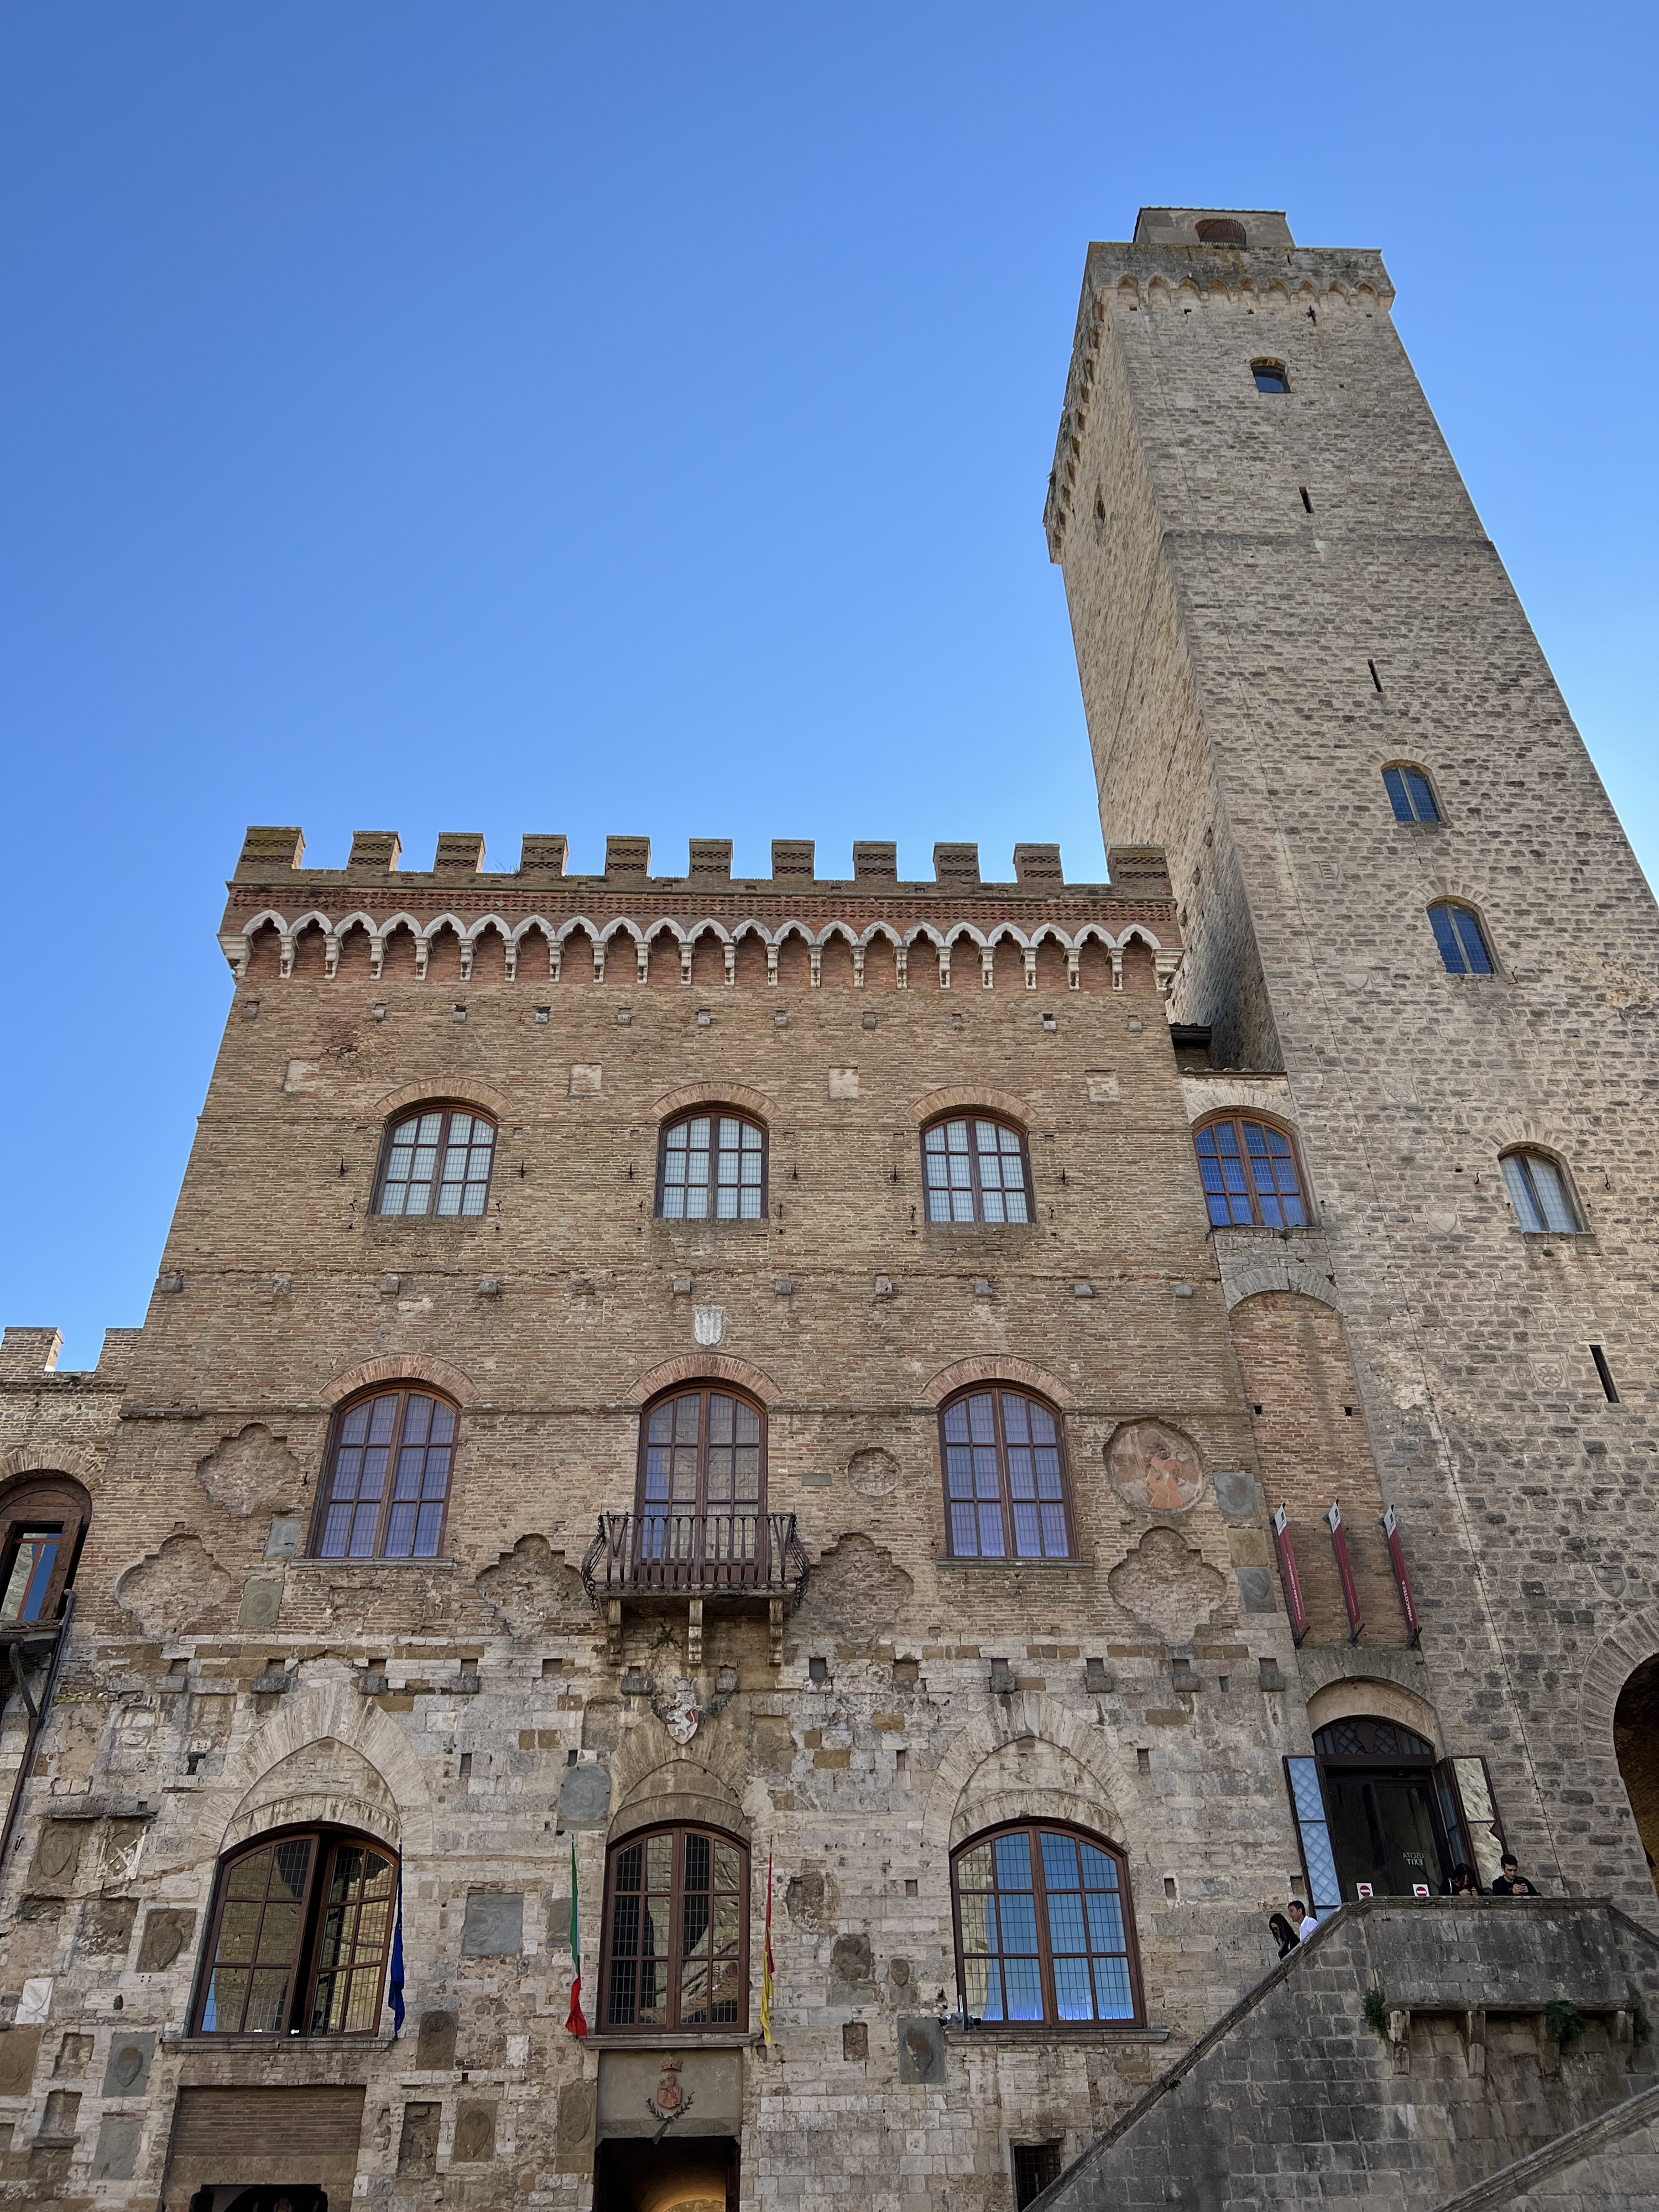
1402, 1580
1344, 1572
1287, 1575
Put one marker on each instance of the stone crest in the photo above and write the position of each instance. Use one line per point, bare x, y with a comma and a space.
682, 1716
708, 1322
672, 2101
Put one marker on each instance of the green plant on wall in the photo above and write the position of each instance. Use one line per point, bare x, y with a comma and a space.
1641, 2028
1376, 2011
1564, 2023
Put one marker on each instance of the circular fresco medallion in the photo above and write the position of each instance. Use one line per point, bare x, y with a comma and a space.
1153, 1468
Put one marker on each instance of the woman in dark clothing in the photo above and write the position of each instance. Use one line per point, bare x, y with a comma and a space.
1283, 1935
1462, 1883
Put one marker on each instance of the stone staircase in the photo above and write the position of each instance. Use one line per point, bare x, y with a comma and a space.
1473, 2088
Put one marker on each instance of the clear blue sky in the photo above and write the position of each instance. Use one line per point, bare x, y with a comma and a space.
635, 418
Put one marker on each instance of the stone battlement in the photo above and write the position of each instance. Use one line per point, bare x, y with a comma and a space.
271, 897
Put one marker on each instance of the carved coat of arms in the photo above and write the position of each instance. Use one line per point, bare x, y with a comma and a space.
671, 2100
682, 1716
710, 1323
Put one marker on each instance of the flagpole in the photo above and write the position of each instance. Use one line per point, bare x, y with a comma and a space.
766, 1965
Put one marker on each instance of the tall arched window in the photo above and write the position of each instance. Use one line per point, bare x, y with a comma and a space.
1539, 1192
43, 1524
975, 1168
1410, 794
711, 1166
299, 1936
1249, 1174
1044, 1933
1006, 1490
386, 1481
702, 1491
676, 1942
436, 1160
1463, 942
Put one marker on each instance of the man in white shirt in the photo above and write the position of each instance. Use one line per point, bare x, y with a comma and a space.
1301, 1920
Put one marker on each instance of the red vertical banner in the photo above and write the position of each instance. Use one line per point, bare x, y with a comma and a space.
1287, 1575
1402, 1580
1345, 1570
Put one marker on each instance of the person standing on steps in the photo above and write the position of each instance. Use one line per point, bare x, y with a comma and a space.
1301, 1920
1283, 1934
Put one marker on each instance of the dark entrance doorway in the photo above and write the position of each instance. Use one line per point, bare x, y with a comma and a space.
1636, 1745
698, 2173
1385, 1823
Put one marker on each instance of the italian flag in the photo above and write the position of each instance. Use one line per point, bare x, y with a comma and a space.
575, 2021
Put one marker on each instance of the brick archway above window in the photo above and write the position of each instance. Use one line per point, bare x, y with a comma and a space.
457, 1091
705, 1367
450, 1379
736, 1095
1023, 1373
981, 1098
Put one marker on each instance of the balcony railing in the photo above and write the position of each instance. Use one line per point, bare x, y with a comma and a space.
696, 1554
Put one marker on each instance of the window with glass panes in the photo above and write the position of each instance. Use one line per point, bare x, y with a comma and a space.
702, 1477
1538, 1191
677, 1932
387, 1478
1463, 942
1005, 1477
713, 1168
975, 1170
1043, 1929
300, 1936
1410, 794
438, 1161
1249, 1174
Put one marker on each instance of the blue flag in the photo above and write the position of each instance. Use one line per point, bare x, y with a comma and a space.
394, 1996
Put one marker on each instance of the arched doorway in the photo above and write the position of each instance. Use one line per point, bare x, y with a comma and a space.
1386, 1830
1636, 1746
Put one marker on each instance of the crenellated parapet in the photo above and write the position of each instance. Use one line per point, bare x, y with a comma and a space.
628, 925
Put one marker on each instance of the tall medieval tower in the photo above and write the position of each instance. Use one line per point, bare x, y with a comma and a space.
1280, 591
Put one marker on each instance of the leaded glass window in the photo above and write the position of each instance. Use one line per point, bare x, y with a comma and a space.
975, 1170
291, 1955
438, 1161
1538, 1191
1043, 1929
1249, 1175
1005, 1477
387, 1482
1410, 794
1463, 942
713, 1168
677, 1932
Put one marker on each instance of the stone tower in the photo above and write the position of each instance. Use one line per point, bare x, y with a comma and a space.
1280, 590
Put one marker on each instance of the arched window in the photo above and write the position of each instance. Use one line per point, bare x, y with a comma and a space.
1043, 1928
703, 1478
1539, 1192
1219, 230
1249, 1174
1463, 942
1270, 376
298, 1937
676, 1944
43, 1524
976, 1169
711, 1166
385, 1482
1006, 1490
1410, 794
437, 1161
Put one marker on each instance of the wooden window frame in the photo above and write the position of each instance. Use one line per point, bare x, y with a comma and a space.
326, 1840
705, 1390
449, 1108
1523, 1156
970, 1114
1403, 769
1266, 366
1451, 908
44, 1501
679, 1830
1051, 2019
403, 1392
1239, 1121
1009, 1556
714, 1114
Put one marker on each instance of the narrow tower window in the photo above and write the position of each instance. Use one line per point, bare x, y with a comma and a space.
1410, 794
1538, 1192
1307, 504
1463, 942
1270, 376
